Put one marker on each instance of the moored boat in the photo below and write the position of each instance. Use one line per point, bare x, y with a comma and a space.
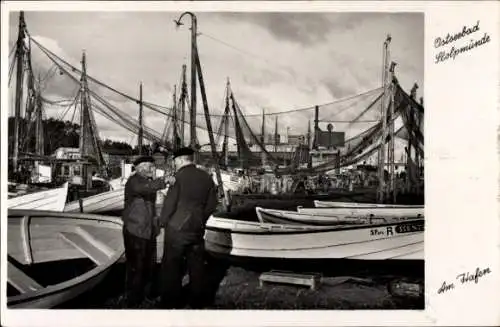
51, 200
40, 237
365, 212
292, 217
103, 202
402, 240
334, 204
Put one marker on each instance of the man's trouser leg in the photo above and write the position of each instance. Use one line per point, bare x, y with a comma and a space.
197, 280
135, 252
172, 273
150, 269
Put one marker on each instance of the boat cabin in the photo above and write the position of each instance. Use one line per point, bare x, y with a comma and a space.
76, 172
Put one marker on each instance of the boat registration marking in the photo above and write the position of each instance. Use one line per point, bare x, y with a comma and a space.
410, 227
382, 231
406, 227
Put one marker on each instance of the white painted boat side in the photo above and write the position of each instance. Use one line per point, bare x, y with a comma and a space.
334, 204
357, 212
371, 242
52, 200
102, 202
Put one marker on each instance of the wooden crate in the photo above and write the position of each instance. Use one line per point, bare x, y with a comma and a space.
282, 277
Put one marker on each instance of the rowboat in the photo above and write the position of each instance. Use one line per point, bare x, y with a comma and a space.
40, 238
111, 201
365, 212
297, 218
103, 202
243, 225
334, 204
396, 240
51, 200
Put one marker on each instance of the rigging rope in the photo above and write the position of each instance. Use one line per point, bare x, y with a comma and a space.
11, 67
156, 107
152, 106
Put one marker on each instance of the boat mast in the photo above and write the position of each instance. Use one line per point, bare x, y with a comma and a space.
381, 152
309, 158
183, 102
411, 124
226, 126
83, 97
417, 154
192, 113
391, 192
141, 125
196, 68
276, 134
262, 137
174, 120
19, 88
39, 145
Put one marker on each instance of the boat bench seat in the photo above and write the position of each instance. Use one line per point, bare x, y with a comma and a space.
282, 277
22, 282
87, 246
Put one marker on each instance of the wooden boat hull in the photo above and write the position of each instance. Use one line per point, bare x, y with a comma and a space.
102, 202
334, 204
402, 240
56, 298
365, 212
298, 218
50, 200
36, 237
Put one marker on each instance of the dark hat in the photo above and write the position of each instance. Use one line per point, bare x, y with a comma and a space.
142, 159
183, 152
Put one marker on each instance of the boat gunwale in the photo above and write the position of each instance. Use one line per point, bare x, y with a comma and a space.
74, 282
318, 205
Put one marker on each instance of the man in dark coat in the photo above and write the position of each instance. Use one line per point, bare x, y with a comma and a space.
188, 205
140, 228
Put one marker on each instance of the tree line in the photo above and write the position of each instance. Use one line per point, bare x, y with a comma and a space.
58, 133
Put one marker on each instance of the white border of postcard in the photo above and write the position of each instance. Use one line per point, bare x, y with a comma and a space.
461, 168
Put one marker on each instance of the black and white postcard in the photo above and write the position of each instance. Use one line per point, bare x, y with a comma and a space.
250, 163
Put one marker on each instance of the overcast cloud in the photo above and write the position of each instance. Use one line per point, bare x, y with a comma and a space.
282, 61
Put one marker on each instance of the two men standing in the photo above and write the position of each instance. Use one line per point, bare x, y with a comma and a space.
189, 203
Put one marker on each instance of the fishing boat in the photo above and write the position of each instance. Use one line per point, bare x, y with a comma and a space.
286, 217
396, 240
103, 202
51, 200
294, 217
365, 212
334, 204
37, 238
244, 225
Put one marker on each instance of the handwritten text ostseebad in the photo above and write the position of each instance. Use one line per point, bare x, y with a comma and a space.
455, 50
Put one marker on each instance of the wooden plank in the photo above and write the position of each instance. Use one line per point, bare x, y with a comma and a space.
26, 239
22, 282
90, 250
90, 237
289, 278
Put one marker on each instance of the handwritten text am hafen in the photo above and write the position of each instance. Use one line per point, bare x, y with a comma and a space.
465, 278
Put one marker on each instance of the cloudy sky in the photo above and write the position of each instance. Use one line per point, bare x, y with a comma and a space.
276, 61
